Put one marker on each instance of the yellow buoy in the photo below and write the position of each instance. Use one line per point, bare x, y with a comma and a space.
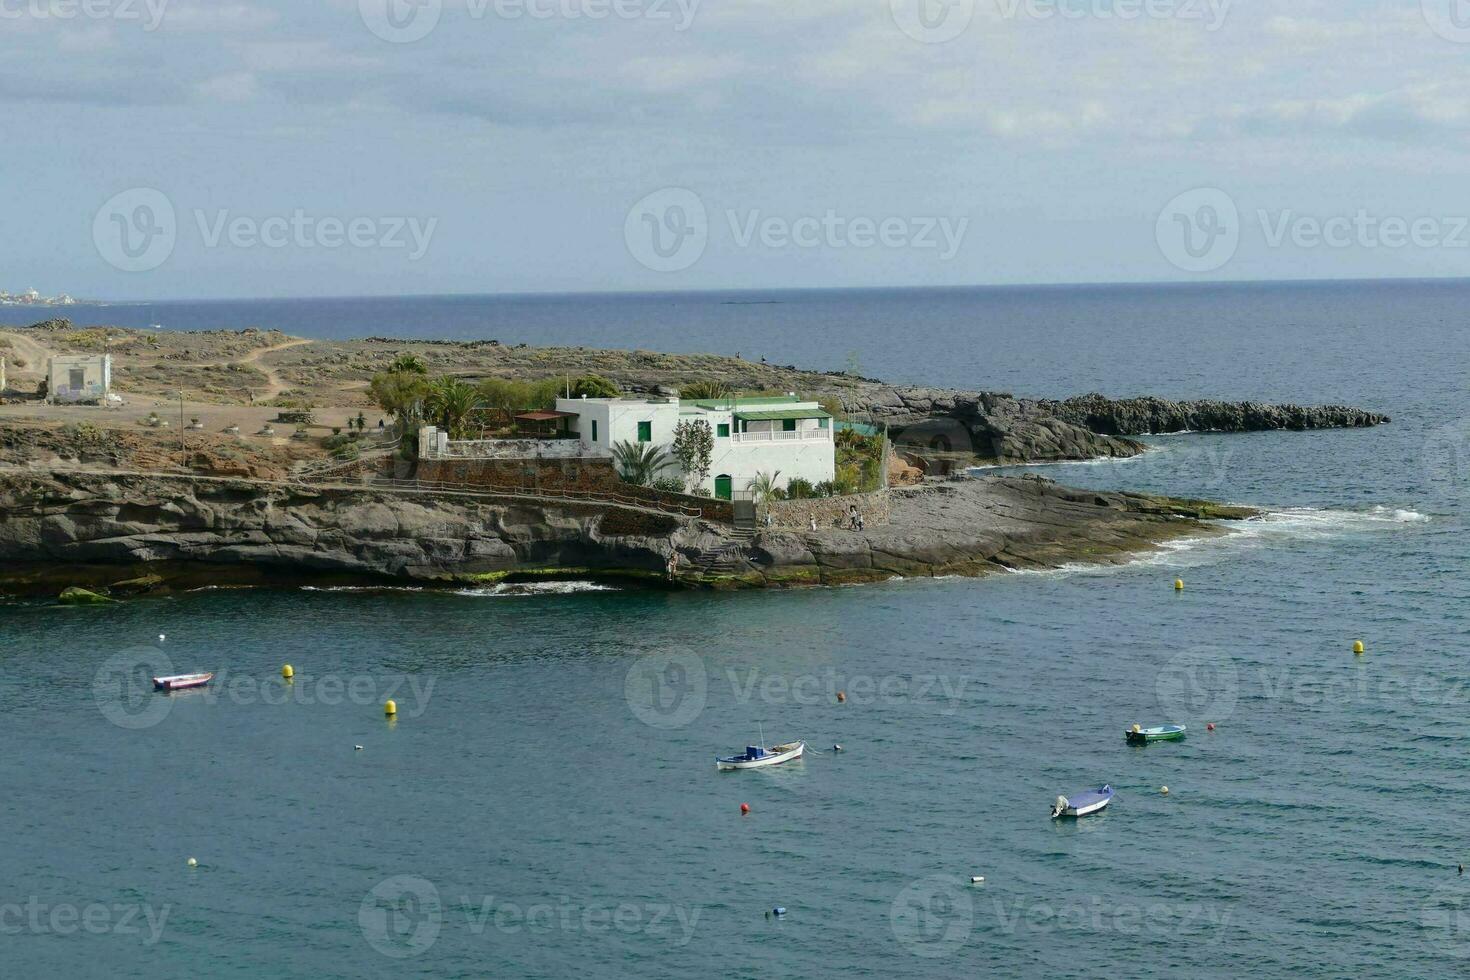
287, 672
390, 707
193, 863
1179, 585
1357, 646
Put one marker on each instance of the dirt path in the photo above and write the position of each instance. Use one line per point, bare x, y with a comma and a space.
274, 385
31, 352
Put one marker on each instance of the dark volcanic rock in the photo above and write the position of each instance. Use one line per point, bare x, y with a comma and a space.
1140, 416
948, 429
129, 532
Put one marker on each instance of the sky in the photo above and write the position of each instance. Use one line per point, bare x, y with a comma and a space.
159, 149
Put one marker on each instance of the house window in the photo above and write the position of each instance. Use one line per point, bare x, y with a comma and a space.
788, 425
723, 430
594, 430
645, 431
78, 379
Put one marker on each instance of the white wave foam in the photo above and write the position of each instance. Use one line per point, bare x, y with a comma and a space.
1094, 461
362, 588
1272, 527
536, 588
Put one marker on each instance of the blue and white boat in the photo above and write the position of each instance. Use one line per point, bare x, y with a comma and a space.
756, 756
1081, 804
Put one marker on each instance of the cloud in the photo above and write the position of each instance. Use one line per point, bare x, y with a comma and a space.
240, 86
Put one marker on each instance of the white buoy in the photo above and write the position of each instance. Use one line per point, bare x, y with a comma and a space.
836, 748
193, 863
161, 637
977, 879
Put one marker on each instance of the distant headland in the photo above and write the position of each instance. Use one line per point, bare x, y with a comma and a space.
31, 297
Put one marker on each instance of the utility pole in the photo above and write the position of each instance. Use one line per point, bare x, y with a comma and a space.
183, 448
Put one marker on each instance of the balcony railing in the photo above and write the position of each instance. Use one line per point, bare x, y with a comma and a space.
780, 435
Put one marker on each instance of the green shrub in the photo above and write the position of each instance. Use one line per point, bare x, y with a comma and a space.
669, 484
594, 386
800, 489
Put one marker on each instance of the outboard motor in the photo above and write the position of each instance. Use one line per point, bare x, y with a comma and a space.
1060, 806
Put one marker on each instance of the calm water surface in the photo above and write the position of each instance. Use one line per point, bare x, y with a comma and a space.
546, 803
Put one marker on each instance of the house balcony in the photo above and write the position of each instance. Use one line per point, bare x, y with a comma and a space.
781, 436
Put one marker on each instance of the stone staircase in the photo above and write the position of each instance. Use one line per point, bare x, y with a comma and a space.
728, 559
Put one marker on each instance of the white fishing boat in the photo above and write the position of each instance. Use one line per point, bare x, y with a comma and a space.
1081, 804
756, 756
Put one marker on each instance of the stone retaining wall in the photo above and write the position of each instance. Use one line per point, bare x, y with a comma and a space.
830, 511
587, 474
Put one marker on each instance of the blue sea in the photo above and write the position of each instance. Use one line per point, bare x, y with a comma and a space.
545, 803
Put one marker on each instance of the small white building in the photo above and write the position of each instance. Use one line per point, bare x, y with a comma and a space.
78, 378
782, 437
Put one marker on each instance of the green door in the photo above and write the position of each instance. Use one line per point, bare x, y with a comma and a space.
723, 489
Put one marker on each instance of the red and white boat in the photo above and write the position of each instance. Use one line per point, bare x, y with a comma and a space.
181, 682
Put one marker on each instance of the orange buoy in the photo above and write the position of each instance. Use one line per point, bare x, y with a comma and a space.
745, 808
841, 696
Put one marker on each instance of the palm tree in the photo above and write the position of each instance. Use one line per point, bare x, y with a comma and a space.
764, 487
704, 391
408, 364
449, 403
639, 462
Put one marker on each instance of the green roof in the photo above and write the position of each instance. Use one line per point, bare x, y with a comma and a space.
787, 413
741, 400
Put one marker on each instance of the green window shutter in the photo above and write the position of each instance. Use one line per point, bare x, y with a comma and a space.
645, 431
788, 425
822, 423
722, 430
594, 430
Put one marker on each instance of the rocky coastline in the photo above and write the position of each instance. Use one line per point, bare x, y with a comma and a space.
118, 502
130, 534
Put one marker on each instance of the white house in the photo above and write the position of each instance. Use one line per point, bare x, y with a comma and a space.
771, 436
78, 378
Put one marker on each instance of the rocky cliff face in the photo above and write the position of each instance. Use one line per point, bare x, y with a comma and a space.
73, 520
949, 429
128, 533
945, 427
